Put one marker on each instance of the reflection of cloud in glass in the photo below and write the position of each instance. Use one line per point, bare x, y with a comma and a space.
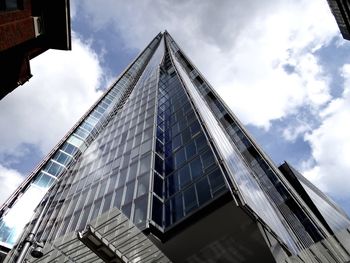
335, 219
253, 195
20, 213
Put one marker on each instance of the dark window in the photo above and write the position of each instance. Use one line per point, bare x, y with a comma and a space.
190, 150
186, 135
184, 176
176, 207
180, 157
173, 184
177, 142
196, 168
201, 142
203, 191
8, 5
157, 211
158, 185
217, 181
190, 199
208, 159
158, 166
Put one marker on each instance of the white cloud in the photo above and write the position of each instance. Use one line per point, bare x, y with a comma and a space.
330, 145
240, 46
292, 132
41, 111
10, 179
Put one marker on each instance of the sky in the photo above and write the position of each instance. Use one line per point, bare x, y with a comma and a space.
281, 66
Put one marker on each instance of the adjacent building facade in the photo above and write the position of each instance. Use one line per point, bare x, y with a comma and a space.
160, 170
27, 29
341, 12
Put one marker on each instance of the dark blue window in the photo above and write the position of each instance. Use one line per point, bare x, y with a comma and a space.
158, 185
184, 176
190, 199
186, 135
190, 150
159, 148
217, 181
177, 207
157, 211
195, 127
196, 167
201, 142
180, 157
203, 191
208, 159
177, 141
158, 164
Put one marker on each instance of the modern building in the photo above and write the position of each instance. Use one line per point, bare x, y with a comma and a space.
341, 12
27, 29
160, 170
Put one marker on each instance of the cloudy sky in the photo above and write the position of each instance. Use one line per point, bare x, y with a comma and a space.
281, 65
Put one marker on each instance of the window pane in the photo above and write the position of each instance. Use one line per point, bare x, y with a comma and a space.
140, 213
180, 157
184, 176
203, 191
196, 167
190, 199
129, 192
217, 181
176, 207
157, 211
158, 185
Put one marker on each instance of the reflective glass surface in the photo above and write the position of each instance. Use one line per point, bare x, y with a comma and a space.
80, 138
115, 169
334, 218
241, 175
186, 173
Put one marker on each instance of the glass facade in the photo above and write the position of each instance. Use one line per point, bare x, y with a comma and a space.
161, 146
186, 172
69, 150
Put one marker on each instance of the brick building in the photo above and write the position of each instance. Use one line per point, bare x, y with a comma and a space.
27, 29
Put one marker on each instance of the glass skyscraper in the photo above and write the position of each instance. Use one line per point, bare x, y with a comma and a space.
160, 170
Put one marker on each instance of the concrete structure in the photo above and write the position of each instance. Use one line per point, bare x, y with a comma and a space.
27, 29
163, 149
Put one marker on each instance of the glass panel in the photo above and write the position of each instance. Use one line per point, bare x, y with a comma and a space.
43, 180
239, 172
157, 211
196, 168
176, 207
190, 199
140, 213
12, 224
184, 176
129, 192
203, 191
158, 185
